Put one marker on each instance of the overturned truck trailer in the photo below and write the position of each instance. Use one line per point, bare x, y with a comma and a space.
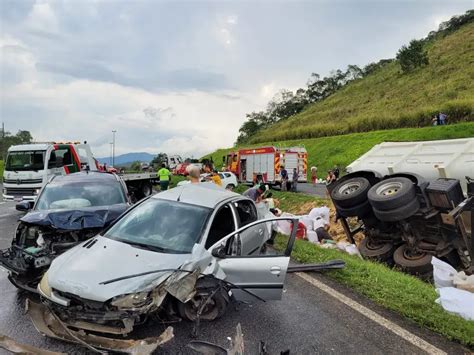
413, 200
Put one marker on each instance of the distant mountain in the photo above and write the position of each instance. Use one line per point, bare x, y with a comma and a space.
128, 158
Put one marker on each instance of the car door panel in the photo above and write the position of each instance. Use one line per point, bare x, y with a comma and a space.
262, 274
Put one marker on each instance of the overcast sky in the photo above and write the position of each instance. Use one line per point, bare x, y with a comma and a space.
179, 76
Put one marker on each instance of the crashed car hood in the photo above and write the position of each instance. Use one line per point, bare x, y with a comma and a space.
77, 219
82, 269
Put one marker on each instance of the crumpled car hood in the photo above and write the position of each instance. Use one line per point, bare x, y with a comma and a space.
92, 217
81, 270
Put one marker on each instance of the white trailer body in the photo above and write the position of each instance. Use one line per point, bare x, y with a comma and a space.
453, 158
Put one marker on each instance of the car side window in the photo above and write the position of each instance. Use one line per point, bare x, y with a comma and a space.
222, 225
246, 211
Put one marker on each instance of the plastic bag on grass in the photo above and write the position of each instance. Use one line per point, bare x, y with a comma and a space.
443, 273
457, 301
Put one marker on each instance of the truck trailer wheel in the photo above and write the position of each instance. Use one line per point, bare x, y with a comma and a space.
412, 262
146, 189
399, 213
392, 193
381, 251
350, 192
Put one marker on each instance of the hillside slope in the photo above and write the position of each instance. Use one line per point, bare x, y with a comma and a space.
389, 99
325, 152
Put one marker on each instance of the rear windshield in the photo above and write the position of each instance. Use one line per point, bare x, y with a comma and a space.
161, 225
25, 160
80, 195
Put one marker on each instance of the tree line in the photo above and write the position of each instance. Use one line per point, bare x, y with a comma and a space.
287, 103
8, 139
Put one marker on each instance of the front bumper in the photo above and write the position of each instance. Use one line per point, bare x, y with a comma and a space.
18, 198
48, 324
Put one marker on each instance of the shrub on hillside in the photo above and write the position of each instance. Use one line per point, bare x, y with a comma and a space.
413, 56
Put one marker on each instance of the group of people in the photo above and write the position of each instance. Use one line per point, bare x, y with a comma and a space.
439, 119
286, 184
194, 174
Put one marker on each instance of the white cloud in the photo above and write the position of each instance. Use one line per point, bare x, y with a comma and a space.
42, 17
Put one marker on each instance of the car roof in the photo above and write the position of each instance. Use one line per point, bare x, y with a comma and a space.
28, 147
202, 194
84, 176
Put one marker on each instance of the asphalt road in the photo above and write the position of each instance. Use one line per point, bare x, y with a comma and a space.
306, 321
315, 190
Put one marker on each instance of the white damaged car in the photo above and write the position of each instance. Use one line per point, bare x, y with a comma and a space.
185, 253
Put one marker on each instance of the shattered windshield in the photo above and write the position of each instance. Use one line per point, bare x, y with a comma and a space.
25, 160
80, 195
160, 225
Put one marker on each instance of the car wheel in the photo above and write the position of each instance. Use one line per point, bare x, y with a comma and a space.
230, 187
350, 192
380, 251
147, 189
214, 309
391, 193
360, 210
398, 214
415, 263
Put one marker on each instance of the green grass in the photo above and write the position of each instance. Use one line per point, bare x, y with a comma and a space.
325, 152
1, 168
396, 291
388, 99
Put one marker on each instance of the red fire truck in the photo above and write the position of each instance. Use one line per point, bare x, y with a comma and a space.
263, 164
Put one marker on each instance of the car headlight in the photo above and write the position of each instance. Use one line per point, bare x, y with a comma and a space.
131, 301
43, 286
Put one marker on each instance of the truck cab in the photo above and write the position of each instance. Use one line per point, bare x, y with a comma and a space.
28, 167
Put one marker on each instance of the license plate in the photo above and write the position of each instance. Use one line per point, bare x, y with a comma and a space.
17, 199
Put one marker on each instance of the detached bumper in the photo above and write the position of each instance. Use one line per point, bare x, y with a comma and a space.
48, 324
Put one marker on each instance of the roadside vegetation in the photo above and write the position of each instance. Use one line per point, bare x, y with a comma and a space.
1, 169
341, 150
429, 75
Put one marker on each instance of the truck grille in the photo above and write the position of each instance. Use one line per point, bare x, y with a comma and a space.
21, 182
20, 191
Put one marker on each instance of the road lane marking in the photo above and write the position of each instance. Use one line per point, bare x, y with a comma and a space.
403, 333
5, 215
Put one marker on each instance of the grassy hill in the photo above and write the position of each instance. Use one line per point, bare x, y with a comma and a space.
325, 152
389, 99
1, 169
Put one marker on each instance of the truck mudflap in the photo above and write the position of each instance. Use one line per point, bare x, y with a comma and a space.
48, 324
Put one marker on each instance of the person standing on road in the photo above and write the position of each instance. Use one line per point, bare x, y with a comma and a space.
294, 185
284, 178
314, 175
164, 175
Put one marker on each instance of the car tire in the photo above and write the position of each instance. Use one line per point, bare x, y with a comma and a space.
372, 250
415, 264
350, 192
216, 308
360, 210
391, 194
399, 213
146, 189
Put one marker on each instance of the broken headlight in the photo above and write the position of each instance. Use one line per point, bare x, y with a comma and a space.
43, 286
131, 301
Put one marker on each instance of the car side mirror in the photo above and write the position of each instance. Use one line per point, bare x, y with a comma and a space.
219, 252
24, 206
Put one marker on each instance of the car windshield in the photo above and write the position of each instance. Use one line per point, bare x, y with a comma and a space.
80, 195
25, 160
161, 225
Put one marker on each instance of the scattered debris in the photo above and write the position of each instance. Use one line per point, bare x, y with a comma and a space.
16, 348
50, 325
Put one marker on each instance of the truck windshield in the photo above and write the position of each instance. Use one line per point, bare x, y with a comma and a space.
25, 160
162, 226
80, 195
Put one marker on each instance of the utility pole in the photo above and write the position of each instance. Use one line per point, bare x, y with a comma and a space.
113, 145
111, 149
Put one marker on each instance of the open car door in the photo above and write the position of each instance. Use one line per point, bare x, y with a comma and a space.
262, 274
